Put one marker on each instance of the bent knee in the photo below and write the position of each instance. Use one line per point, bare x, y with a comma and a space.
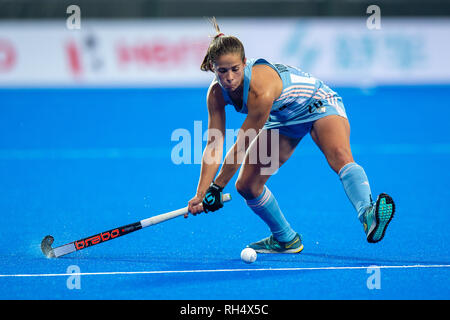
247, 189
339, 157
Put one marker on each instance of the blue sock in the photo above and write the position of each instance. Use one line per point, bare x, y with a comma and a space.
356, 186
266, 207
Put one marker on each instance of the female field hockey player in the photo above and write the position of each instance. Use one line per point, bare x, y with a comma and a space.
283, 98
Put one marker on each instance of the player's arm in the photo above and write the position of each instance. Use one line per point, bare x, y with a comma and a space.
212, 154
264, 89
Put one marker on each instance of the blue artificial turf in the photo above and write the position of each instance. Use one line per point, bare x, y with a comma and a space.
75, 162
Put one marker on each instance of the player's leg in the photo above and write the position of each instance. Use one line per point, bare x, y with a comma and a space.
332, 135
251, 181
266, 154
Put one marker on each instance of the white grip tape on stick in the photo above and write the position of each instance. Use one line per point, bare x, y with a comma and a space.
173, 214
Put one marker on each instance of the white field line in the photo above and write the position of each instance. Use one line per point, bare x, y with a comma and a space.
417, 266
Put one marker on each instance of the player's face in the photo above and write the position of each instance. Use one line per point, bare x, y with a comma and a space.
229, 69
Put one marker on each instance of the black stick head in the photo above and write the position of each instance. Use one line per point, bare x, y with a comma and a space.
46, 247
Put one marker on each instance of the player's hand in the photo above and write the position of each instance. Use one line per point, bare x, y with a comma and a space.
213, 198
195, 206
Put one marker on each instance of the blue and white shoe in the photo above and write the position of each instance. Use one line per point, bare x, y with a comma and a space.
272, 245
376, 218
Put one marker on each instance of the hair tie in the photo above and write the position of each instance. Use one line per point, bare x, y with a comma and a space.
219, 35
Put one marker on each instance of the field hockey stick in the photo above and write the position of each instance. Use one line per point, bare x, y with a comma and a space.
49, 252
